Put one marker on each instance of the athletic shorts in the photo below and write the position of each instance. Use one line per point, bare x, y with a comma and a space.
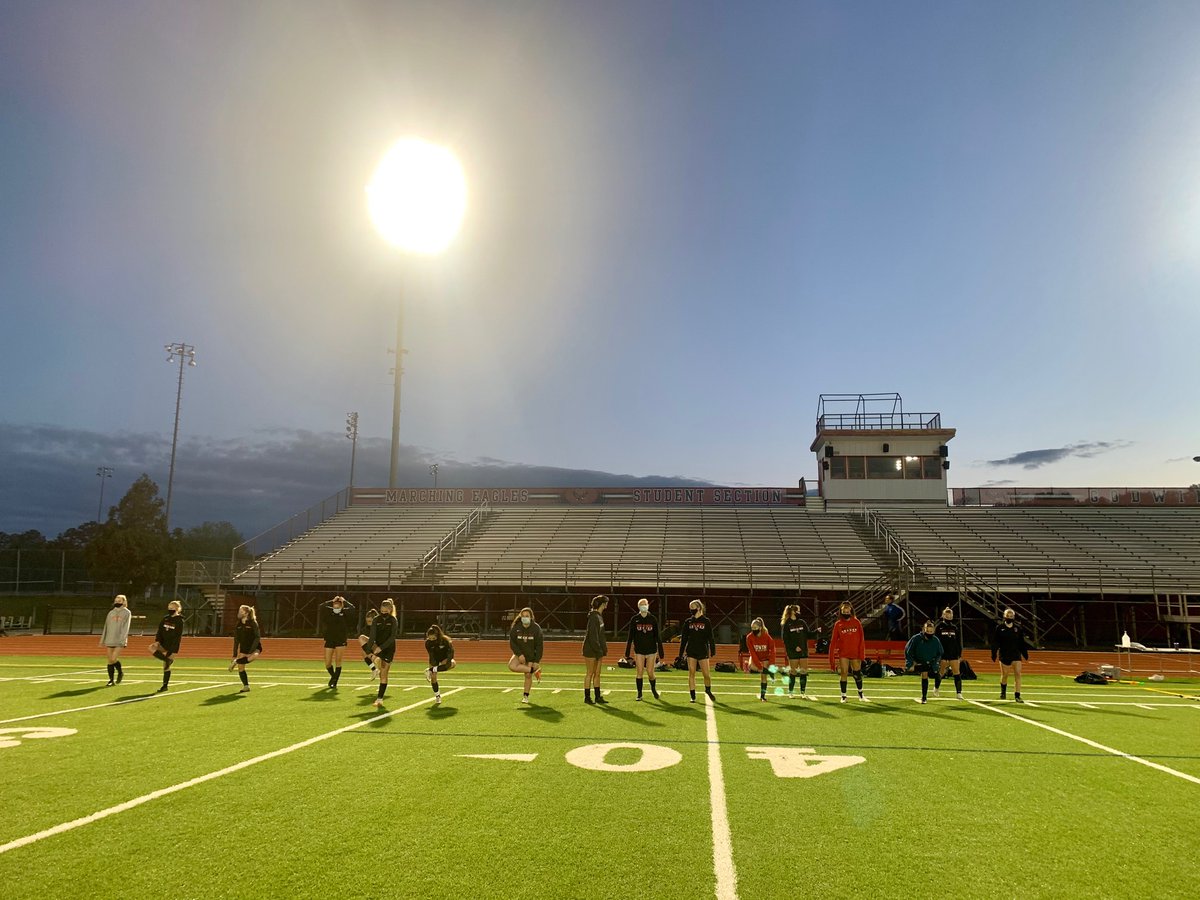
699, 658
803, 654
950, 659
333, 645
387, 655
925, 667
1009, 662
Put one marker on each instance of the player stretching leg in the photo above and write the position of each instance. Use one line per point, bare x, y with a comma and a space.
441, 657
247, 644
526, 641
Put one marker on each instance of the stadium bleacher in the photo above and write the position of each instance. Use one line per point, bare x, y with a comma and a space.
1064, 550
676, 546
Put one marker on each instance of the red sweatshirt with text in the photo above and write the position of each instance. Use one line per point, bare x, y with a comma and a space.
846, 641
761, 647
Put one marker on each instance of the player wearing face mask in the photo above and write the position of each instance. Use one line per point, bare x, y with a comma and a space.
761, 647
794, 631
167, 640
1008, 643
525, 641
923, 654
947, 632
441, 657
115, 636
645, 642
698, 644
337, 618
848, 649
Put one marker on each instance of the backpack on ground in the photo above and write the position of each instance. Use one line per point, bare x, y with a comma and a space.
1090, 678
725, 667
872, 668
966, 672
624, 663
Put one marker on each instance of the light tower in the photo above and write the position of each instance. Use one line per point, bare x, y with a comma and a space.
102, 473
185, 354
416, 198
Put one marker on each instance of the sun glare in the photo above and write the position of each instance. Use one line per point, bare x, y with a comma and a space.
417, 196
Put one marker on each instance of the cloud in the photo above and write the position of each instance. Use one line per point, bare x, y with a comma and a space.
48, 481
1035, 459
998, 482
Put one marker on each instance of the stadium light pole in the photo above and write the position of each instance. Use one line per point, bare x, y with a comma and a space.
102, 472
416, 199
352, 434
186, 355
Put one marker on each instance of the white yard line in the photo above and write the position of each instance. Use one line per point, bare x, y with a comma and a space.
722, 842
63, 712
1090, 743
228, 770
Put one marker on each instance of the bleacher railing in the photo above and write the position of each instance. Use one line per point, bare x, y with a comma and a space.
905, 564
1123, 581
249, 552
460, 532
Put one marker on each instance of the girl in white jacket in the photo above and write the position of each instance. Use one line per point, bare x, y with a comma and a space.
116, 635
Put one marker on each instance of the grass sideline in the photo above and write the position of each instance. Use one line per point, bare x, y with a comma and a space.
952, 797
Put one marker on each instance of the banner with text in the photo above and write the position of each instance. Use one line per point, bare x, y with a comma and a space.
1088, 496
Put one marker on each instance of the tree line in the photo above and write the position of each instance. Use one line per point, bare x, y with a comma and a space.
132, 546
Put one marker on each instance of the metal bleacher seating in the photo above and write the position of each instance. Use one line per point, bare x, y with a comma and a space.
668, 546
1061, 550
373, 546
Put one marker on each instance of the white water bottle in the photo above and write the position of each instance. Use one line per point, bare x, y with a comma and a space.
1125, 640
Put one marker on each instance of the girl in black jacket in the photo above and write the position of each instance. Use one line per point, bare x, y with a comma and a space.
595, 647
794, 631
947, 632
337, 618
645, 641
441, 657
386, 630
697, 643
167, 638
1008, 643
525, 640
247, 644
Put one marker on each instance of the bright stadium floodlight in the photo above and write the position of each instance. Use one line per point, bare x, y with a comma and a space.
416, 198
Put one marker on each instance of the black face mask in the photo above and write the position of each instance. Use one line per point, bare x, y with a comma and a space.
845, 615
116, 606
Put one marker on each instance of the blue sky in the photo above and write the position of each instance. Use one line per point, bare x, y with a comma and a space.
685, 222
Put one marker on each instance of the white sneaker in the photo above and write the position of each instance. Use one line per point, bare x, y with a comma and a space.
792, 696
524, 699
843, 698
958, 696
862, 699
374, 674
937, 692
437, 699
378, 702
923, 701
429, 674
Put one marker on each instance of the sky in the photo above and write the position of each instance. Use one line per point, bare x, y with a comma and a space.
685, 222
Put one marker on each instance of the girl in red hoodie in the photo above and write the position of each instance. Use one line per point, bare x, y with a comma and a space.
761, 648
848, 649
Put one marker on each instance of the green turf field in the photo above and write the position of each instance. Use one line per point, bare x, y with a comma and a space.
882, 799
